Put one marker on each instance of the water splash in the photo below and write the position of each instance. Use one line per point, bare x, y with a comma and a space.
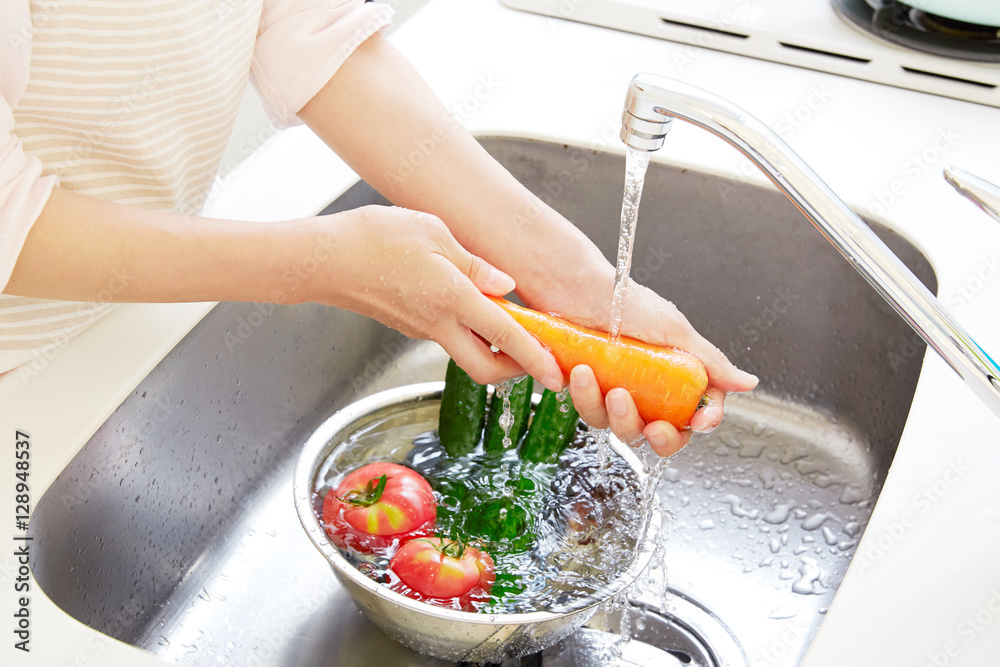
503, 391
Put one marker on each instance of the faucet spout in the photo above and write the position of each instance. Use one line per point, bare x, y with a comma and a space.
653, 101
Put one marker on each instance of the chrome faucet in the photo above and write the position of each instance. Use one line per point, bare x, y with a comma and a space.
654, 101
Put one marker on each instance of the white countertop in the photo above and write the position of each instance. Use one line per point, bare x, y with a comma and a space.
924, 587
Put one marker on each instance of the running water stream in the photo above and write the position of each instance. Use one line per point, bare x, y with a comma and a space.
636, 163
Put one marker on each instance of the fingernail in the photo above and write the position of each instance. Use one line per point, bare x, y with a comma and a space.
501, 281
750, 377
617, 404
578, 378
657, 439
553, 381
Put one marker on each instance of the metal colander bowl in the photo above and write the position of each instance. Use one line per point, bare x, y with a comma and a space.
444, 633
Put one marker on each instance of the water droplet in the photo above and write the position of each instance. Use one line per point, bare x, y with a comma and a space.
780, 513
808, 582
780, 614
815, 521
737, 509
852, 495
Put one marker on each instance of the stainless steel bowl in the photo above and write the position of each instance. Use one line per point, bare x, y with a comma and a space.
444, 633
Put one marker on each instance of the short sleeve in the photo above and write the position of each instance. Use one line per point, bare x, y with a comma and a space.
302, 43
23, 189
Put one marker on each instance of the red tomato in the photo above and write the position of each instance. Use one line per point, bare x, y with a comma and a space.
443, 571
376, 505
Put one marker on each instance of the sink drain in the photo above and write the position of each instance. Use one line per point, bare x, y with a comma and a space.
685, 635
594, 648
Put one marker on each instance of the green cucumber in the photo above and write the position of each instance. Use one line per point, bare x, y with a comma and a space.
463, 411
520, 410
500, 518
552, 428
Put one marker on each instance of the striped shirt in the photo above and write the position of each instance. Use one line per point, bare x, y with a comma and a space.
133, 101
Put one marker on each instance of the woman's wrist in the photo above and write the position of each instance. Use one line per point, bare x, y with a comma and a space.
565, 273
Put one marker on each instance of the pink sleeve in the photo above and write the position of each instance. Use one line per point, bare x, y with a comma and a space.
300, 45
23, 189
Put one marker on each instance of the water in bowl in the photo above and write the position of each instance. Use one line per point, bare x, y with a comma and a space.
572, 527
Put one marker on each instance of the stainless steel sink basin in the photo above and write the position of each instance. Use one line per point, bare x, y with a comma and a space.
174, 528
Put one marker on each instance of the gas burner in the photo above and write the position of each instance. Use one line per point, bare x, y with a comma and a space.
913, 28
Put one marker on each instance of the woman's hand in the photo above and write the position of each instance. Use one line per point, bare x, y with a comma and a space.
405, 269
653, 319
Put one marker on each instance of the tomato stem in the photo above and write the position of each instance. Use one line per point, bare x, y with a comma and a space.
367, 496
453, 548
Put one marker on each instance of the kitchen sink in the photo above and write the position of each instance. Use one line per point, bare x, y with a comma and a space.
174, 528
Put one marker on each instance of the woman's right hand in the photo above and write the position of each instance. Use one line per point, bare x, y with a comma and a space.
406, 270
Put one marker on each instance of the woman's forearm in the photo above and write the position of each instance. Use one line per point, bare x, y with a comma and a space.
382, 119
86, 249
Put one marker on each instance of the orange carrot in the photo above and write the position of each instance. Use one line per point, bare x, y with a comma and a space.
665, 382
